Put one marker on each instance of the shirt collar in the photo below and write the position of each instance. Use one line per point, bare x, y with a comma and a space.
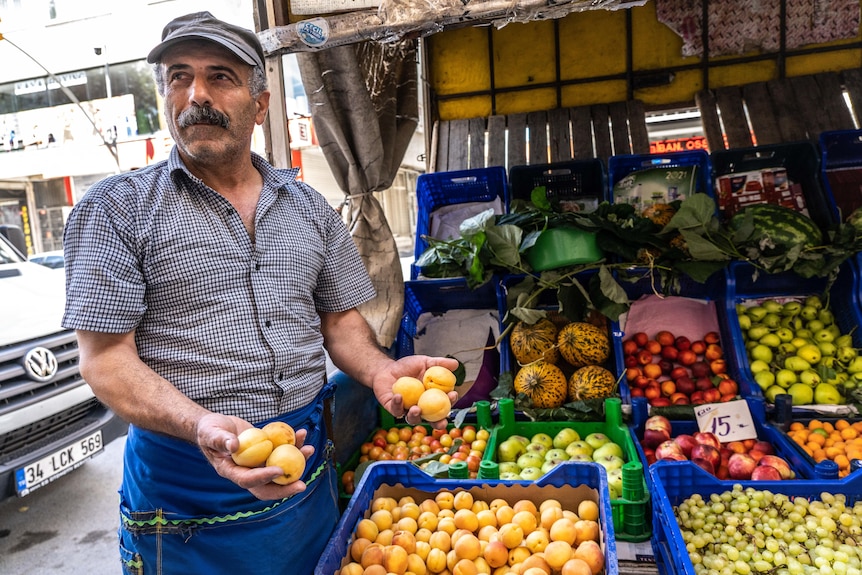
278, 179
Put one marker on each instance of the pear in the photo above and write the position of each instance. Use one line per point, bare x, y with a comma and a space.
827, 394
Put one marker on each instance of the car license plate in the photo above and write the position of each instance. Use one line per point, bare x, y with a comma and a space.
59, 463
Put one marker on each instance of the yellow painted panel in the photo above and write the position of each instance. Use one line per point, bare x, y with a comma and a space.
654, 45
463, 108
739, 74
524, 54
828, 62
593, 93
592, 43
680, 91
458, 61
527, 101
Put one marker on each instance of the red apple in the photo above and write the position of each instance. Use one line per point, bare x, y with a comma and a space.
741, 466
669, 450
707, 452
682, 343
705, 464
658, 422
765, 473
707, 438
686, 443
778, 463
654, 437
699, 369
650, 455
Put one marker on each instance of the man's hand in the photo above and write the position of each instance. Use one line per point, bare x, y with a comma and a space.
217, 439
412, 366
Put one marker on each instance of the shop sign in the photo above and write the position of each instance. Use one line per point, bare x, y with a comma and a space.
678, 145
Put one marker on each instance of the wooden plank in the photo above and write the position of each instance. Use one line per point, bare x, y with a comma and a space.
760, 113
786, 112
810, 105
441, 150
560, 139
276, 136
477, 142
833, 100
537, 126
637, 127
705, 101
601, 131
619, 115
517, 146
733, 118
582, 133
497, 141
458, 131
853, 85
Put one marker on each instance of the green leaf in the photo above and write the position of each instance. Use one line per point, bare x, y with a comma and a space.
477, 224
504, 243
539, 197
701, 248
528, 314
696, 211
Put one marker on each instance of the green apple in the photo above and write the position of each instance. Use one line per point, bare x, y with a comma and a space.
610, 462
556, 453
827, 394
761, 352
785, 378
580, 457
510, 476
564, 437
520, 439
802, 394
579, 447
615, 482
765, 379
544, 439
530, 460
810, 353
532, 473
549, 464
509, 467
609, 448
597, 439
537, 448
510, 450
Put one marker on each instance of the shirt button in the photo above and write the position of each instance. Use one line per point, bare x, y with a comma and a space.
268, 323
280, 376
257, 266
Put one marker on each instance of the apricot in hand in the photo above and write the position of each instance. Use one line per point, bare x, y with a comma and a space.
254, 448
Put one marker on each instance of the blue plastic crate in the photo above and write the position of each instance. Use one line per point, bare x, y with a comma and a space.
783, 445
439, 189
675, 481
569, 483
800, 159
841, 170
744, 285
622, 165
572, 179
714, 289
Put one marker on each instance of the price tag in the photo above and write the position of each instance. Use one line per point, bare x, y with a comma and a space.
729, 421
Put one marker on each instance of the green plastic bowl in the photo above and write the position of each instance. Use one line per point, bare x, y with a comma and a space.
560, 247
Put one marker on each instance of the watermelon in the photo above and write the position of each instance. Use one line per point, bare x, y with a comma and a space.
779, 225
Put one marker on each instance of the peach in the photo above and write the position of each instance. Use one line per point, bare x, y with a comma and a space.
290, 459
254, 448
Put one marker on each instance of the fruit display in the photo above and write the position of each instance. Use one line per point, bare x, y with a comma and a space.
457, 533
414, 443
794, 346
753, 459
272, 444
839, 441
550, 360
529, 458
673, 370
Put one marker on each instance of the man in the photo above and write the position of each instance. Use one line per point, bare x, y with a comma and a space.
204, 290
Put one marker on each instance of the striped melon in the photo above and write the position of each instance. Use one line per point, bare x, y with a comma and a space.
544, 383
530, 342
582, 343
591, 382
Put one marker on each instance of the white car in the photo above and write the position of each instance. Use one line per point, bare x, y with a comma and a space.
53, 260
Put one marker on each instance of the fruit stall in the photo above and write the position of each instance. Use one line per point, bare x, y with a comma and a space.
659, 349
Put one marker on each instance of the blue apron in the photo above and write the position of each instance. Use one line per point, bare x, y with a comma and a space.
177, 515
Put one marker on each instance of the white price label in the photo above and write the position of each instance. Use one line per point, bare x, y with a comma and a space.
306, 7
729, 421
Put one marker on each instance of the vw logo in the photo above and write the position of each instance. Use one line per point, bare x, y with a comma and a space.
40, 364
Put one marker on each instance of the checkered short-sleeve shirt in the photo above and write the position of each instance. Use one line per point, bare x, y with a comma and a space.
232, 324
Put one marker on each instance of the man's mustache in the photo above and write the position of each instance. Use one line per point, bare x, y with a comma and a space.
202, 115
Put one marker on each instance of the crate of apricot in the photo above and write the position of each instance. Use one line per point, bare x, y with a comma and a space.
837, 440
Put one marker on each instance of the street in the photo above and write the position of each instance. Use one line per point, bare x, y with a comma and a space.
68, 526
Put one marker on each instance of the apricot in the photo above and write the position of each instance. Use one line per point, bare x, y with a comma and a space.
576, 566
438, 377
280, 433
290, 459
409, 388
557, 553
435, 404
592, 554
254, 448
